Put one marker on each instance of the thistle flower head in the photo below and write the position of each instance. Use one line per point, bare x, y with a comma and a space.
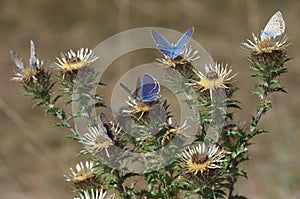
94, 194
216, 76
137, 107
188, 56
82, 173
96, 140
31, 73
172, 131
199, 159
265, 45
70, 63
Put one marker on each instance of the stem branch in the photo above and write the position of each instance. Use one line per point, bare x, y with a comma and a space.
59, 116
262, 109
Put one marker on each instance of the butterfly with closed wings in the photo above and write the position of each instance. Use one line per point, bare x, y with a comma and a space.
150, 89
275, 27
101, 136
26, 73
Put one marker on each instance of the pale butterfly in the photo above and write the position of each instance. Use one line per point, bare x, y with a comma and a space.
275, 27
33, 61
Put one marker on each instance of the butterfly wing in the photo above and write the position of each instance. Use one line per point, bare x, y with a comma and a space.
169, 52
137, 88
275, 26
125, 88
134, 93
185, 38
160, 40
162, 44
18, 60
182, 42
102, 129
178, 50
150, 88
108, 126
33, 59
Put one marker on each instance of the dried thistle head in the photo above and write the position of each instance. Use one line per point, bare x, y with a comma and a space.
267, 48
181, 63
137, 108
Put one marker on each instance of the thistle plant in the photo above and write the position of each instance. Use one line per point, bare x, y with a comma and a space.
207, 166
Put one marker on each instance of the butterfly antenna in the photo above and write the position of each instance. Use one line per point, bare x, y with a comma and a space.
125, 88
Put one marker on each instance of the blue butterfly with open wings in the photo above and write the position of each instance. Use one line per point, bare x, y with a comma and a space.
150, 88
172, 50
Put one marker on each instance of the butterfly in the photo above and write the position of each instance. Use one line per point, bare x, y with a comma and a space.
172, 50
102, 135
150, 88
109, 128
33, 62
18, 60
275, 26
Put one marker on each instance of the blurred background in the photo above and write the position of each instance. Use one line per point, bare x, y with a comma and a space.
34, 155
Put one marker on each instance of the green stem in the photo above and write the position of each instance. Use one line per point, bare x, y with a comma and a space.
231, 188
59, 116
165, 183
262, 109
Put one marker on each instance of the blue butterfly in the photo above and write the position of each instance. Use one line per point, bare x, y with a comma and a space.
150, 88
172, 50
